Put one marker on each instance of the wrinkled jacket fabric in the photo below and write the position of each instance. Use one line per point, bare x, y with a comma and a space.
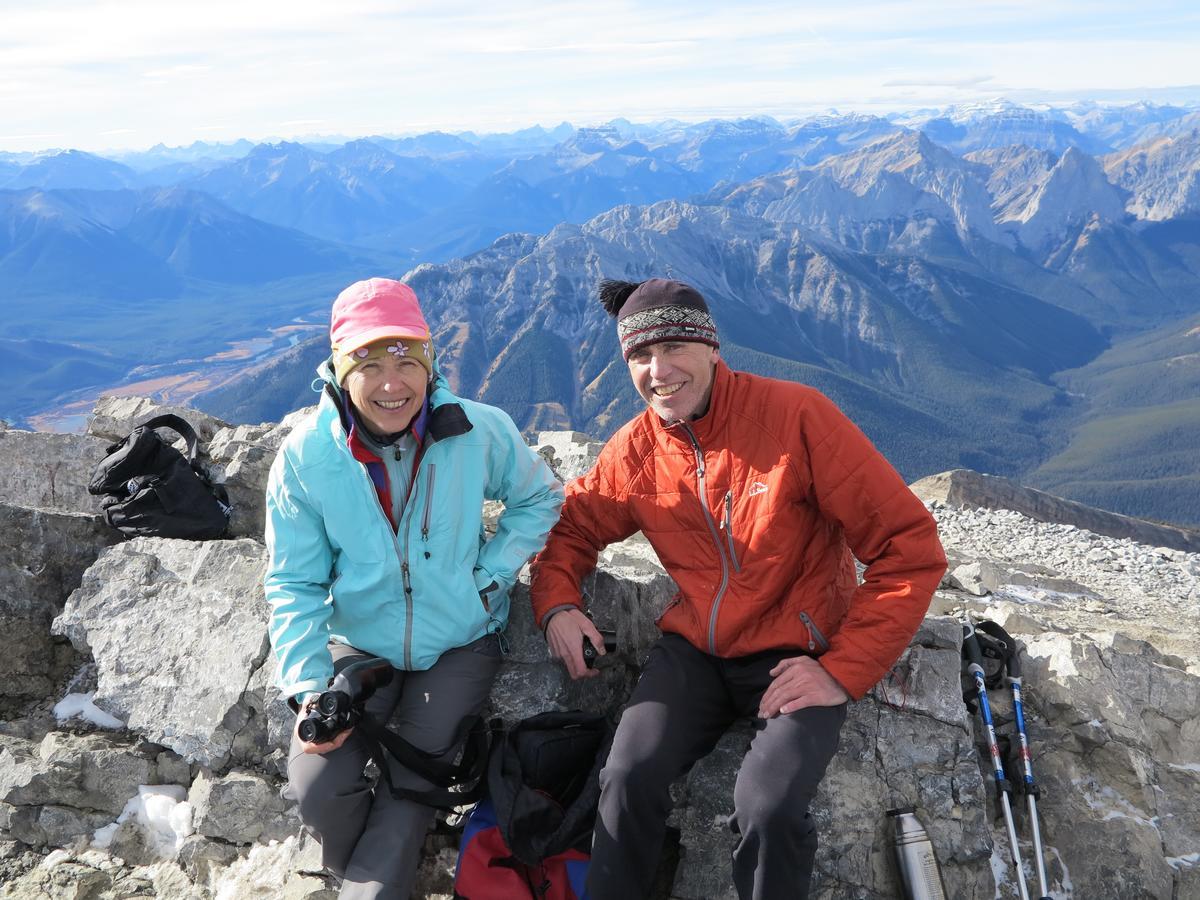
337, 570
755, 510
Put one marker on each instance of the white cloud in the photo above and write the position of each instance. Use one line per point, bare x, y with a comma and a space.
124, 67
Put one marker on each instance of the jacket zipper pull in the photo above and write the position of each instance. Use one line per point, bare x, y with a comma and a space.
728, 511
812, 636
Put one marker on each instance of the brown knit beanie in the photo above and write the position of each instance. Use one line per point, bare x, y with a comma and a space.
657, 310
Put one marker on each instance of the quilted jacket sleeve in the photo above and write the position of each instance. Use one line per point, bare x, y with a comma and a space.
594, 515
888, 529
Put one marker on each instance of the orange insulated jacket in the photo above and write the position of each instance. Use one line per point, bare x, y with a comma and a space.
755, 510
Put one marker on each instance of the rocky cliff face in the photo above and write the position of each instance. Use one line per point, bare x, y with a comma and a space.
178, 796
1162, 175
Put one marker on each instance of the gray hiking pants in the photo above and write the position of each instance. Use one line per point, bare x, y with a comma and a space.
682, 705
368, 837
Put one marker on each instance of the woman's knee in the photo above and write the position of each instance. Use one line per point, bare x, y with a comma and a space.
324, 791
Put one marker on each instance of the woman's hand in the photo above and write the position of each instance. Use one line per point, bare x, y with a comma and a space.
310, 746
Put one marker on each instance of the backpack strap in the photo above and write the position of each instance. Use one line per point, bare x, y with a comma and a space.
455, 784
179, 425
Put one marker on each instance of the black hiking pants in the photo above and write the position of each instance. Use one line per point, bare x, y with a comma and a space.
682, 705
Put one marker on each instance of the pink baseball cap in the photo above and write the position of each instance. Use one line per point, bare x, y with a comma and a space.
374, 309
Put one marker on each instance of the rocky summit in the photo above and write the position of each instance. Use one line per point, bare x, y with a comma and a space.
142, 748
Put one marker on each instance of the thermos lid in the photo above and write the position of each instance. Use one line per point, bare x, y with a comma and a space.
902, 810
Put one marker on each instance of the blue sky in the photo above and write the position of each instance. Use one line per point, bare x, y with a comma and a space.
103, 74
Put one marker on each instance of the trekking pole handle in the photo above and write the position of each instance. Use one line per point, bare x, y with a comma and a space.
971, 645
1013, 662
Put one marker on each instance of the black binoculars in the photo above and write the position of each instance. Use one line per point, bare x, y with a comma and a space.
341, 706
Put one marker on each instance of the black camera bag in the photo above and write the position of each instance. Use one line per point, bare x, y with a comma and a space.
151, 490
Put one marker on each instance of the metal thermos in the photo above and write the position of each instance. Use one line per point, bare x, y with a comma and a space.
919, 872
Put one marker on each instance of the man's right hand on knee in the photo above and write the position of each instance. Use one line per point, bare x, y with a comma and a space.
565, 633
306, 707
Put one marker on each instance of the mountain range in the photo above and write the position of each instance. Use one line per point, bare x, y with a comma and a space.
1012, 290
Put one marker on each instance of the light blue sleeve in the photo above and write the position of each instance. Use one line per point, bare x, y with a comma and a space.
532, 497
298, 577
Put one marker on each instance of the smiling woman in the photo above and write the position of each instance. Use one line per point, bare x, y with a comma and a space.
374, 523
387, 391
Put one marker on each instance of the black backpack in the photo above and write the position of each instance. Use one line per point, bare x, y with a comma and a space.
530, 836
544, 781
151, 490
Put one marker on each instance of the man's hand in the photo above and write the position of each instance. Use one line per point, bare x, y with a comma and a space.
308, 746
565, 635
799, 682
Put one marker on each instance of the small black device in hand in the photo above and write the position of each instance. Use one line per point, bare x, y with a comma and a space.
341, 706
589, 649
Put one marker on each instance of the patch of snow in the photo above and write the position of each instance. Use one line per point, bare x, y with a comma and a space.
1111, 805
1067, 887
999, 864
81, 706
1183, 862
162, 811
54, 858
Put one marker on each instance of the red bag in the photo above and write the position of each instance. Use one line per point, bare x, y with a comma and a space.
487, 870
528, 838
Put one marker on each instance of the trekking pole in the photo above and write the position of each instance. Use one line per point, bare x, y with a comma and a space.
1013, 666
1003, 787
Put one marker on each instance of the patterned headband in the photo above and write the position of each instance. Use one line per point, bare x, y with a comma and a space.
665, 323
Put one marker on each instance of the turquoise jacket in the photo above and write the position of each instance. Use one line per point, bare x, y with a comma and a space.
338, 571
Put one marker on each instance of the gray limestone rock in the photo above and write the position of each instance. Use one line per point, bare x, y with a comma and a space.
49, 471
42, 558
240, 458
70, 784
978, 578
114, 417
177, 629
569, 453
53, 825
202, 858
66, 881
240, 807
964, 488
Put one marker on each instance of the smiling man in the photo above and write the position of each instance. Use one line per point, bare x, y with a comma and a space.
757, 496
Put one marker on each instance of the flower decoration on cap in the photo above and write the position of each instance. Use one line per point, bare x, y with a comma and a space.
388, 348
